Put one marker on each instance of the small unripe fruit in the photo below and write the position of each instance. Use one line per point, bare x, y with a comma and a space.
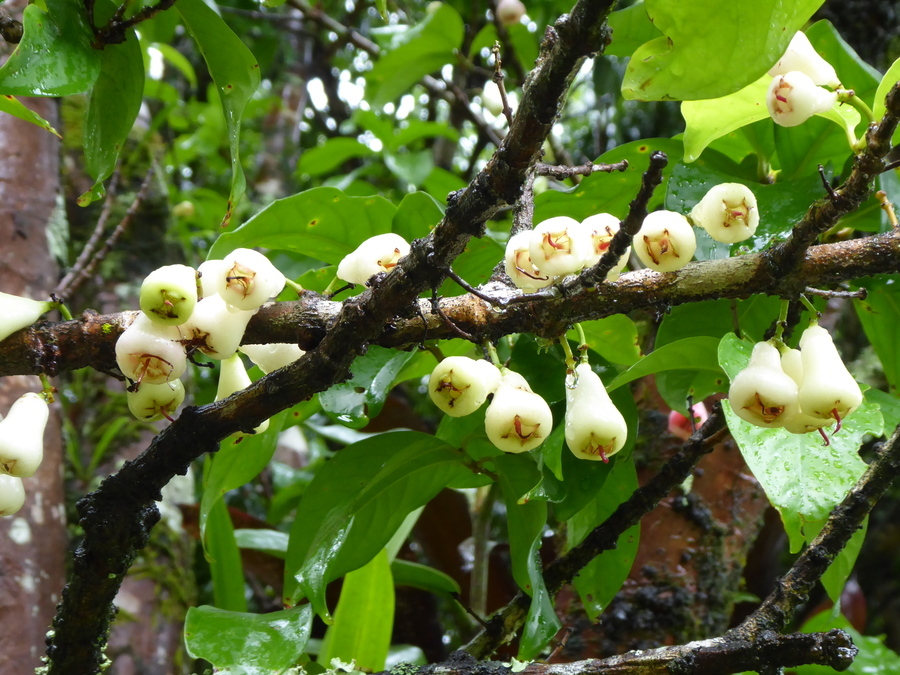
802, 56
380, 253
510, 12
169, 294
559, 246
518, 265
233, 378
250, 279
12, 494
517, 420
793, 98
602, 228
828, 391
459, 385
595, 429
665, 242
18, 312
763, 394
727, 212
149, 352
272, 356
154, 401
22, 435
215, 329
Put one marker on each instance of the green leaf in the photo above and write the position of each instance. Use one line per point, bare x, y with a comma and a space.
11, 105
354, 402
696, 353
331, 155
615, 338
697, 58
433, 44
874, 657
525, 523
412, 168
364, 617
224, 560
112, 108
273, 542
247, 644
55, 57
891, 78
631, 27
356, 502
598, 583
835, 577
416, 215
879, 315
322, 223
235, 73
426, 578
238, 461
381, 6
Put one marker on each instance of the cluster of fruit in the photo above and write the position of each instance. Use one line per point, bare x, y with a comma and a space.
21, 448
375, 255
794, 94
205, 310
799, 390
517, 419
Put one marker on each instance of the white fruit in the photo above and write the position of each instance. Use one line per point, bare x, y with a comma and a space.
518, 265
793, 98
665, 242
12, 494
602, 228
517, 420
272, 356
17, 313
22, 435
250, 279
510, 12
595, 429
155, 401
380, 253
828, 390
169, 294
148, 352
210, 272
459, 385
215, 329
559, 246
763, 394
728, 212
233, 378
802, 56
799, 422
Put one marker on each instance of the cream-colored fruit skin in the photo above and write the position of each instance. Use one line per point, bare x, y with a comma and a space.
510, 12
145, 339
150, 401
473, 380
12, 494
263, 281
658, 226
175, 283
233, 377
711, 213
22, 435
536, 420
799, 422
591, 417
18, 312
602, 228
801, 55
272, 356
531, 279
574, 241
376, 254
802, 99
210, 272
827, 384
223, 327
763, 377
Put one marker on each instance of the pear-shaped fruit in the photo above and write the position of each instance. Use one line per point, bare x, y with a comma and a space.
517, 420
380, 253
727, 212
12, 494
828, 391
762, 393
215, 329
233, 378
151, 353
22, 435
793, 98
17, 312
459, 385
272, 356
799, 422
802, 56
519, 266
595, 429
602, 228
559, 246
250, 279
154, 401
169, 294
665, 242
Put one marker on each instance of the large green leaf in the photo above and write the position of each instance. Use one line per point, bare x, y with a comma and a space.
354, 402
356, 502
11, 105
615, 338
55, 57
416, 215
238, 643
891, 78
427, 48
112, 108
426, 578
696, 353
331, 155
235, 73
879, 315
224, 560
874, 657
525, 524
322, 223
697, 58
631, 27
602, 578
364, 617
714, 318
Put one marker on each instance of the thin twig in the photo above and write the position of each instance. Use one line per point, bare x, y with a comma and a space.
498, 80
860, 294
561, 172
115, 30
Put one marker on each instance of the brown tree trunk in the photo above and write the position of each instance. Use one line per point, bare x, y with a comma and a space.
33, 542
